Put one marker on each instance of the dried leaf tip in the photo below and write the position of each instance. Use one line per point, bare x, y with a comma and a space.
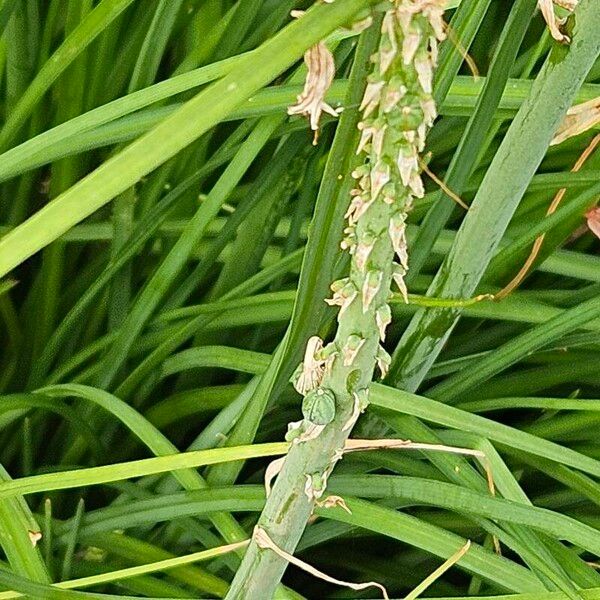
554, 22
311, 102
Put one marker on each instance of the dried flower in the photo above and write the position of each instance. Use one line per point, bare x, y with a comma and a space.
383, 317
397, 231
580, 118
365, 136
312, 368
351, 348
380, 175
371, 98
311, 102
398, 274
424, 69
362, 251
429, 111
358, 207
409, 46
408, 163
593, 220
384, 360
361, 401
371, 286
416, 185
344, 293
553, 21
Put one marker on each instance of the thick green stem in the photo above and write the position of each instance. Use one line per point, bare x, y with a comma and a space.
397, 110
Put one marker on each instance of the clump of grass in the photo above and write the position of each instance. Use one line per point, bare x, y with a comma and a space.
169, 236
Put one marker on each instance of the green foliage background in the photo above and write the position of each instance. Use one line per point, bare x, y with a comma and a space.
168, 237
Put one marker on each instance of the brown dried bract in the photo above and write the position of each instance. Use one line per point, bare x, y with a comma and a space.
311, 102
553, 21
593, 220
580, 118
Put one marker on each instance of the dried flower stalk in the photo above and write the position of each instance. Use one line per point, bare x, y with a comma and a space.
334, 379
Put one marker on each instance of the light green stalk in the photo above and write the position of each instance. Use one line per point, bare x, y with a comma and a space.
334, 380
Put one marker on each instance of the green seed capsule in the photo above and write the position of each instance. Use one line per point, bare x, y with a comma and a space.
318, 406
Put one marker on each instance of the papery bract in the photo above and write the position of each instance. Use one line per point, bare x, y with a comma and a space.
593, 220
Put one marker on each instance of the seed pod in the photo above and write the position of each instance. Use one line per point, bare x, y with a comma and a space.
318, 406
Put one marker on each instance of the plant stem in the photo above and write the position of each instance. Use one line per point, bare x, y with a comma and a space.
397, 110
